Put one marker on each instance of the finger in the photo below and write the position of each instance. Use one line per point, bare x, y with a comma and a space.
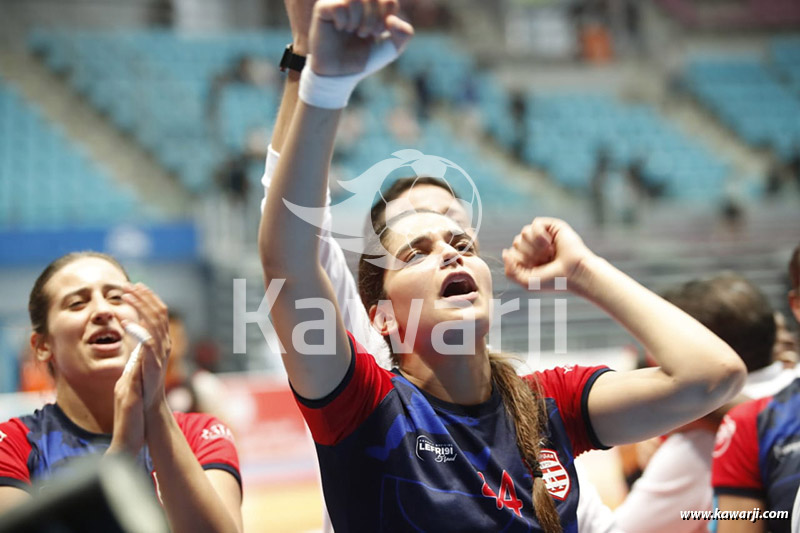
354, 16
369, 18
400, 31
527, 250
386, 8
537, 233
153, 317
152, 309
335, 12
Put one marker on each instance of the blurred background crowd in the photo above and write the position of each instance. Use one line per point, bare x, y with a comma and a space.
666, 131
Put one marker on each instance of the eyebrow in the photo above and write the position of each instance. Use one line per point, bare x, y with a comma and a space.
107, 287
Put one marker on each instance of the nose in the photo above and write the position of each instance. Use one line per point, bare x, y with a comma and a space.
450, 256
102, 312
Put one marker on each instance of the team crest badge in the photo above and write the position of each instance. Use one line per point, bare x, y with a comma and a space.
555, 476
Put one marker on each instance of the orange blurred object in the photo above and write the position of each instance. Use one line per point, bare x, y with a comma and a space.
34, 377
596, 44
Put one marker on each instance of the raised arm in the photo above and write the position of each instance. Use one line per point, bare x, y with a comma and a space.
698, 372
331, 256
343, 49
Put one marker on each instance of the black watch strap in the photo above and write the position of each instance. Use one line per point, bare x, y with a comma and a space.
292, 61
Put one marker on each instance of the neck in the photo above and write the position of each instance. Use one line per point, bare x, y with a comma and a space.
464, 379
91, 408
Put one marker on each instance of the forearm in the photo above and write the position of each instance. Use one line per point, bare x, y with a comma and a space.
300, 178
286, 110
190, 500
684, 349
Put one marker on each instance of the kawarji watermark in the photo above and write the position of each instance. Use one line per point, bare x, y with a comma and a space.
451, 337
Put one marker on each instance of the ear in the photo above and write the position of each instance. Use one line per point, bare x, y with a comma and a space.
794, 303
383, 319
41, 347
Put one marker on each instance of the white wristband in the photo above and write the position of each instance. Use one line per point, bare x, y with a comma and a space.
333, 92
327, 92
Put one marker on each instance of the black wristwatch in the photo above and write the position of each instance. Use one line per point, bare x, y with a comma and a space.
292, 61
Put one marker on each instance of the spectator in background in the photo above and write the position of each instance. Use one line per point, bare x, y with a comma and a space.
778, 173
190, 389
794, 163
519, 112
422, 93
249, 70
597, 186
678, 475
786, 348
757, 456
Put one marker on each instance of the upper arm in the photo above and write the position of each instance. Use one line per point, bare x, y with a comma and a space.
11, 497
309, 325
229, 491
734, 502
633, 406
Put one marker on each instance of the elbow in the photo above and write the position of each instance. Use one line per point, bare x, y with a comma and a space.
729, 379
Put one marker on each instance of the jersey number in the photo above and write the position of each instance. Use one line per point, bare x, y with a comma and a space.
507, 496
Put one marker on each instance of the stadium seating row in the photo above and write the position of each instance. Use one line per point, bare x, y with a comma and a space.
48, 181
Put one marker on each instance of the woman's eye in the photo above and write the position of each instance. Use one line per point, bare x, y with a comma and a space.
75, 304
115, 297
414, 256
464, 246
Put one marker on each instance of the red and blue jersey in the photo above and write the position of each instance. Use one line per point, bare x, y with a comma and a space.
34, 447
394, 458
757, 453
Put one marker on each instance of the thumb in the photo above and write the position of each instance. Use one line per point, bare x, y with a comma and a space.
400, 32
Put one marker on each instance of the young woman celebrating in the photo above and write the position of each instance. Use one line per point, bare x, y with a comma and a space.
453, 441
80, 307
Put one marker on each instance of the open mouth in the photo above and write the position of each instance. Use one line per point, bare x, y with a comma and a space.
459, 284
106, 340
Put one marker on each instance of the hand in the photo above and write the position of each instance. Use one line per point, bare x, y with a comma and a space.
344, 32
128, 434
546, 249
155, 352
299, 12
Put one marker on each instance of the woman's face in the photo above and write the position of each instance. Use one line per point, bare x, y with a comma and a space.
442, 271
85, 338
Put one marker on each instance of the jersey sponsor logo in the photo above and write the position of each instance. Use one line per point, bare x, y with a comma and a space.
441, 453
724, 436
567, 368
786, 449
217, 431
2, 436
555, 476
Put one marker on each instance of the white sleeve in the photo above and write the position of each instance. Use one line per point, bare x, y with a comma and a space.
796, 514
332, 259
678, 478
593, 515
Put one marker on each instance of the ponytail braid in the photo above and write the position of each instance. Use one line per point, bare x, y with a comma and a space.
527, 410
